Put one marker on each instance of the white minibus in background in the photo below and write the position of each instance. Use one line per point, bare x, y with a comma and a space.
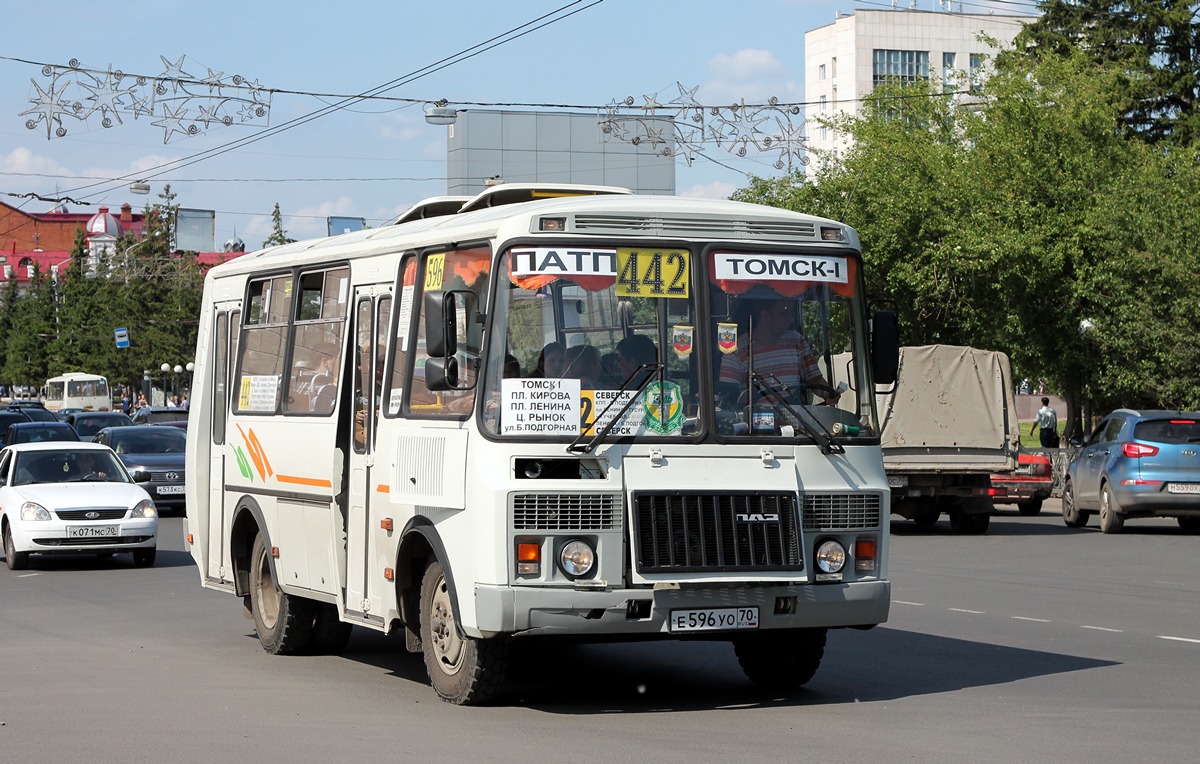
77, 390
515, 421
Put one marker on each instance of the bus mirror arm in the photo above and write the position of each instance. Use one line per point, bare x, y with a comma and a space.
577, 446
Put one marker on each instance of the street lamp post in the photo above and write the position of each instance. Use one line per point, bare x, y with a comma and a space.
166, 369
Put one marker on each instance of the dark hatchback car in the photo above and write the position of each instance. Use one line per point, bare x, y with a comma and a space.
36, 413
39, 432
7, 418
157, 451
88, 423
1136, 464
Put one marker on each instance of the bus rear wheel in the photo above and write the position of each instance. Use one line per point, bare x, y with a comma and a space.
284, 622
462, 670
782, 659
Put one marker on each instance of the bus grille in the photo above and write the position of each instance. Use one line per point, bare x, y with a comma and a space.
693, 531
564, 511
841, 511
720, 228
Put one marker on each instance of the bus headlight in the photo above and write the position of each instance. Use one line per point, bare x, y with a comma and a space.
576, 558
831, 556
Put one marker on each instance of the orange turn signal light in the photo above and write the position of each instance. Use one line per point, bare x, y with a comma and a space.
529, 551
386, 524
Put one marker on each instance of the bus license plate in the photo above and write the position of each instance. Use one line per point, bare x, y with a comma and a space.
897, 481
1183, 488
170, 489
714, 619
90, 531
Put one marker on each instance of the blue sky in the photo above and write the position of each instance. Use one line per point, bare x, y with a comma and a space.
375, 158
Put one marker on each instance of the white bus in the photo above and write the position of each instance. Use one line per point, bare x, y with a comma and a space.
77, 390
434, 426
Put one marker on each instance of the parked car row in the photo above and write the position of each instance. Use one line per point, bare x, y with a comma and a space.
92, 483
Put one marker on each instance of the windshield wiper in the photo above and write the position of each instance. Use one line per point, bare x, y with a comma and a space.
771, 386
577, 445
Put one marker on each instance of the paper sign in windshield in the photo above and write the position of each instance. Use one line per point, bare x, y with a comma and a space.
257, 392
597, 413
539, 406
774, 267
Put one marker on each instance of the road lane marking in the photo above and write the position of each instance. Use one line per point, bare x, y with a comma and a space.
1181, 639
902, 602
1101, 628
1027, 618
961, 610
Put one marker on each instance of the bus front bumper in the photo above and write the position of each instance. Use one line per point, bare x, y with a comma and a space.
545, 611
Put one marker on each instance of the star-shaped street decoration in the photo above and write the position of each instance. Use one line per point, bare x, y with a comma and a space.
213, 80
174, 72
106, 98
49, 108
172, 122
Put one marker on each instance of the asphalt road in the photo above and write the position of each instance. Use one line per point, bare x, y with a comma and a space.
1033, 643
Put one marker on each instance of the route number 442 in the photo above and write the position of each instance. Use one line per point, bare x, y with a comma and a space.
641, 273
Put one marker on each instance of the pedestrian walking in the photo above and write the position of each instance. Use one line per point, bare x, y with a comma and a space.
1047, 425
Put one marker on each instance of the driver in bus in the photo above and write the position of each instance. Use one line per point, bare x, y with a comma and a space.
781, 354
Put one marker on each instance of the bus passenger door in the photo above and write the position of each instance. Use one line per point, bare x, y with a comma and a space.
225, 334
372, 309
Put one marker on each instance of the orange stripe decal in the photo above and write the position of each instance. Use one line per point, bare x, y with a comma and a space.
297, 480
383, 488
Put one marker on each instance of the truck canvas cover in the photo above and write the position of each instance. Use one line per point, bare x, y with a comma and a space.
952, 410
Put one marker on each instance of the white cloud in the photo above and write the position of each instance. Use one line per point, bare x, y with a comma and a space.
751, 75
22, 160
714, 190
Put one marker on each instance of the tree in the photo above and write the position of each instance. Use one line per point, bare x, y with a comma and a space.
1005, 224
1155, 45
278, 235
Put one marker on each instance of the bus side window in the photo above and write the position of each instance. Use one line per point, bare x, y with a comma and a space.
321, 307
465, 270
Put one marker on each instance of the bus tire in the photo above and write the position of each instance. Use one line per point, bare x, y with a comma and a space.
463, 671
329, 633
284, 622
781, 659
15, 560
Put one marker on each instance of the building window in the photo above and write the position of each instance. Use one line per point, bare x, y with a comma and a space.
899, 65
824, 102
976, 71
948, 71
821, 72
833, 68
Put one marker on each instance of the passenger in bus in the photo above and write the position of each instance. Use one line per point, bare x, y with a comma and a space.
633, 352
782, 355
550, 361
583, 361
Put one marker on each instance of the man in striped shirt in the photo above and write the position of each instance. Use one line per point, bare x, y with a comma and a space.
780, 353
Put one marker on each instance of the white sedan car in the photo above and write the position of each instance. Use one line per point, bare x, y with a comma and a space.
72, 498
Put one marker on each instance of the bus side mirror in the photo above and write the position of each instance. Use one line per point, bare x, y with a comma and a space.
441, 374
441, 325
885, 346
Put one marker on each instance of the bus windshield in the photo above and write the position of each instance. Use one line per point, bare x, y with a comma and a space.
613, 342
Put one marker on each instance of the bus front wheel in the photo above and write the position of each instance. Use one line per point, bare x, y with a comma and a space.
284, 622
782, 659
462, 670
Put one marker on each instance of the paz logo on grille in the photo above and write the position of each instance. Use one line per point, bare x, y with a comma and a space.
92, 515
758, 517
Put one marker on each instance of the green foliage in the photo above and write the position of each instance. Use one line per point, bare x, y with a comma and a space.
1005, 224
1154, 46
145, 287
278, 235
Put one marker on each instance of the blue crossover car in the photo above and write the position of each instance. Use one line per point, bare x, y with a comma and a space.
1136, 464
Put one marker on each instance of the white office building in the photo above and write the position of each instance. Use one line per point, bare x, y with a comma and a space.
843, 61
